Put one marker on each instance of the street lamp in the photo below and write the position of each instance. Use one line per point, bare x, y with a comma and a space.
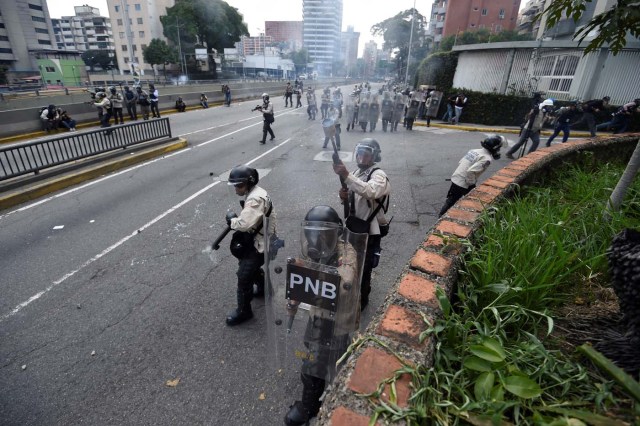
111, 68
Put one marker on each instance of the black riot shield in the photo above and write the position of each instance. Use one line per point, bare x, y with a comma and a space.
312, 297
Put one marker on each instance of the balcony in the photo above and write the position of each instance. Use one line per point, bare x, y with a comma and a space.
440, 24
441, 10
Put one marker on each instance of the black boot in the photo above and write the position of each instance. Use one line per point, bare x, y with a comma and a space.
297, 415
302, 411
243, 312
264, 138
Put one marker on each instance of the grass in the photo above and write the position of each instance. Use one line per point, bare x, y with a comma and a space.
493, 362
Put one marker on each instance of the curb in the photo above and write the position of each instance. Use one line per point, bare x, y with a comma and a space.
34, 191
472, 128
399, 322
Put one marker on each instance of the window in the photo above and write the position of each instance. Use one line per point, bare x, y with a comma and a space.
135, 48
119, 22
475, 9
5, 50
35, 6
42, 31
143, 46
472, 25
4, 38
484, 12
501, 14
124, 47
137, 7
126, 60
49, 69
1, 25
117, 8
44, 42
38, 19
498, 28
121, 34
140, 21
141, 34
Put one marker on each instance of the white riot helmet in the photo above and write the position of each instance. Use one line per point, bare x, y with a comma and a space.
265, 97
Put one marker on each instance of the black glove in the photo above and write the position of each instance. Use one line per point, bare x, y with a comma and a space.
230, 215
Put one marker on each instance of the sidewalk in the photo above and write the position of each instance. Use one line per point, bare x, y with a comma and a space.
470, 127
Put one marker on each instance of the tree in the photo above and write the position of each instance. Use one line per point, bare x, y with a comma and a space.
210, 23
159, 52
482, 35
396, 33
299, 58
611, 26
100, 58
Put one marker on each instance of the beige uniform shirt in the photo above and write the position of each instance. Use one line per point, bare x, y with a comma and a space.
366, 193
256, 205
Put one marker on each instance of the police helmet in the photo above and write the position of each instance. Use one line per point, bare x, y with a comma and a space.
321, 230
493, 144
138, 89
371, 146
99, 89
243, 175
265, 96
606, 99
126, 88
547, 103
112, 89
101, 95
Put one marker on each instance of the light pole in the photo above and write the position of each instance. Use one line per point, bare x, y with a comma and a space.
413, 18
111, 68
180, 48
75, 79
262, 40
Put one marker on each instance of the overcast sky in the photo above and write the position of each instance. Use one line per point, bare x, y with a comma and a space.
361, 14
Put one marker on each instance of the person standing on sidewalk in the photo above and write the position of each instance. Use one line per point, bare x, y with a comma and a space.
448, 116
460, 103
103, 103
563, 122
531, 130
116, 105
591, 107
144, 102
153, 98
131, 100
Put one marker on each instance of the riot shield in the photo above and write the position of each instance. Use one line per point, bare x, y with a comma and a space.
313, 301
434, 103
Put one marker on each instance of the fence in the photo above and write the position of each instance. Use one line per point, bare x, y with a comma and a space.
32, 157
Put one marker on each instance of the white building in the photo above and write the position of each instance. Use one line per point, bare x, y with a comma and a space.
135, 23
321, 30
87, 30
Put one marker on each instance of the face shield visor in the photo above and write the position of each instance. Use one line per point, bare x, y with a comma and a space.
364, 155
319, 240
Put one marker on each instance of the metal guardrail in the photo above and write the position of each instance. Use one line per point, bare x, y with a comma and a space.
32, 157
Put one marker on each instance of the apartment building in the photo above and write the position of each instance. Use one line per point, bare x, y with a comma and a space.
25, 27
349, 50
254, 45
288, 33
451, 17
526, 21
134, 24
87, 30
322, 28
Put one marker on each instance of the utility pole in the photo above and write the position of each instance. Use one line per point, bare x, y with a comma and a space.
127, 28
413, 18
180, 48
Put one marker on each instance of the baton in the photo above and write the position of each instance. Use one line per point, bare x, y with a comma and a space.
336, 160
216, 244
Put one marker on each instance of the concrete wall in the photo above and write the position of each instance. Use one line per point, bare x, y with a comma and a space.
20, 116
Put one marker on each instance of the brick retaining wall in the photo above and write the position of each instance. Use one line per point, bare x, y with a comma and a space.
399, 322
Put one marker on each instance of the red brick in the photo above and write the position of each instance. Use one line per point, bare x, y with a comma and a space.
517, 166
372, 368
467, 203
402, 325
497, 183
539, 154
509, 172
431, 263
483, 196
447, 227
419, 289
507, 179
434, 241
342, 416
462, 215
489, 189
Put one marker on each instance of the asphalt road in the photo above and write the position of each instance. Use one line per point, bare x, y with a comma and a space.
109, 291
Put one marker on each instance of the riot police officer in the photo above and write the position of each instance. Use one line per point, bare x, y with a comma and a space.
267, 114
470, 167
323, 242
367, 192
386, 110
247, 243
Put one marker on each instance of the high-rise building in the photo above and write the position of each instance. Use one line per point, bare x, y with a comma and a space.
370, 57
25, 28
526, 22
349, 50
135, 23
322, 27
87, 30
449, 17
286, 32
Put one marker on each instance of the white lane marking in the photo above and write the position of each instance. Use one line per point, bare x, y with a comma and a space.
22, 305
93, 182
58, 227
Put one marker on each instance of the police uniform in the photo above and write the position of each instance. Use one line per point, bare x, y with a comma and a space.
363, 194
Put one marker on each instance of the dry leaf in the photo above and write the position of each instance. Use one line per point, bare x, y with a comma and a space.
262, 397
173, 383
